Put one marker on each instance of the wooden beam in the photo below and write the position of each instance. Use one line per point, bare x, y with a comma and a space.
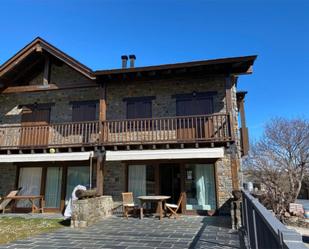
102, 107
46, 73
25, 70
100, 174
234, 172
228, 94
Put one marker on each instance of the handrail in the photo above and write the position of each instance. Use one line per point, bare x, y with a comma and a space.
180, 129
263, 229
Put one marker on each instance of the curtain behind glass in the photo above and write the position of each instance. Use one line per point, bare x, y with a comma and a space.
53, 187
205, 186
30, 181
137, 180
76, 176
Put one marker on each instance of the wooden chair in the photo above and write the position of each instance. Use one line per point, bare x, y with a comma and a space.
173, 207
7, 200
128, 203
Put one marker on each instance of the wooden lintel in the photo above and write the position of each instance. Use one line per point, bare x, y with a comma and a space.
36, 88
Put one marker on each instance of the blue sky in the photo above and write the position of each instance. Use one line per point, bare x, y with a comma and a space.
97, 33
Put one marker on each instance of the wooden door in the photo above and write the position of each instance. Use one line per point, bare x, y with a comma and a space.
34, 126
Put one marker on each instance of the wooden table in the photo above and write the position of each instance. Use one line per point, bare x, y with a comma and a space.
153, 198
31, 199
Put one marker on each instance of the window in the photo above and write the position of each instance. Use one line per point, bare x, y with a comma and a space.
141, 180
139, 107
194, 104
84, 111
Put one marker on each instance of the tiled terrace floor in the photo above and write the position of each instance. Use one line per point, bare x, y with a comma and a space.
149, 233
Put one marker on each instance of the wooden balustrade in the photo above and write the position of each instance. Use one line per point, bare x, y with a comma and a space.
205, 128
212, 128
51, 135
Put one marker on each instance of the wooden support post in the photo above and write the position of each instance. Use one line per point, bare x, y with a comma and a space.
229, 104
228, 94
100, 174
46, 74
234, 172
102, 111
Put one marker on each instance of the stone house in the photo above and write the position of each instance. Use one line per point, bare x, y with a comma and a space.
163, 129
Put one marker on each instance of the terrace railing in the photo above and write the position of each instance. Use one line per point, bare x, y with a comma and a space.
204, 128
264, 230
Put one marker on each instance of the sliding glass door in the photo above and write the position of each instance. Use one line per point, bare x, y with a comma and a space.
200, 187
53, 187
30, 182
76, 176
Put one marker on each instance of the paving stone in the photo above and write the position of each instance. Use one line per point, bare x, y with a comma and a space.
149, 233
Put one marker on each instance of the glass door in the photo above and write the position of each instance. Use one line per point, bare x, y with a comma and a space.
200, 187
53, 187
30, 182
76, 176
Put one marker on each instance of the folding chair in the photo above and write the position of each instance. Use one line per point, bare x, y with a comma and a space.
174, 208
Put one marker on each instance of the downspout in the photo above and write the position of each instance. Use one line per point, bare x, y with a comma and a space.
90, 169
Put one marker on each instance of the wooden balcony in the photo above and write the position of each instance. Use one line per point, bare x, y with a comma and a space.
215, 128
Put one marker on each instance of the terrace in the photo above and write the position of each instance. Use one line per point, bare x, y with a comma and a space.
116, 232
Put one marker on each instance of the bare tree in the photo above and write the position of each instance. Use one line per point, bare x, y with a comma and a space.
279, 160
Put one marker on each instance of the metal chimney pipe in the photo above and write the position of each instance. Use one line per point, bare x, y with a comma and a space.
132, 58
124, 60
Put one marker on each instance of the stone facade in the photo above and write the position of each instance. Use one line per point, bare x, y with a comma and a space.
114, 179
61, 111
89, 211
164, 105
7, 178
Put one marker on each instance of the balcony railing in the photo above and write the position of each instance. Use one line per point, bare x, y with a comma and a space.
189, 129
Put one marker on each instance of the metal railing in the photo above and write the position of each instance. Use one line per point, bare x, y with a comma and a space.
263, 230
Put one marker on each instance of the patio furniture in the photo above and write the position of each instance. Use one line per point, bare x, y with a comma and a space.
31, 199
128, 203
173, 207
6, 200
159, 199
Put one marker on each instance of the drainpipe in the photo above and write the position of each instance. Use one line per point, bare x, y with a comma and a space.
90, 170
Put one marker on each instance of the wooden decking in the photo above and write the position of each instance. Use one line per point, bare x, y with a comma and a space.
215, 128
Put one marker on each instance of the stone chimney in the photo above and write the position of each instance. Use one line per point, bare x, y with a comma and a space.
124, 60
132, 58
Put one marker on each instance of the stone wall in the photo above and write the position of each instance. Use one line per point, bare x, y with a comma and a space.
164, 105
61, 111
114, 180
88, 211
7, 178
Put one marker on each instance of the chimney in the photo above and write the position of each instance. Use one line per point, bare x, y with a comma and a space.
132, 58
124, 60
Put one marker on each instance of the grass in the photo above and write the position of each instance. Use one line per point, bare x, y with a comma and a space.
20, 228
